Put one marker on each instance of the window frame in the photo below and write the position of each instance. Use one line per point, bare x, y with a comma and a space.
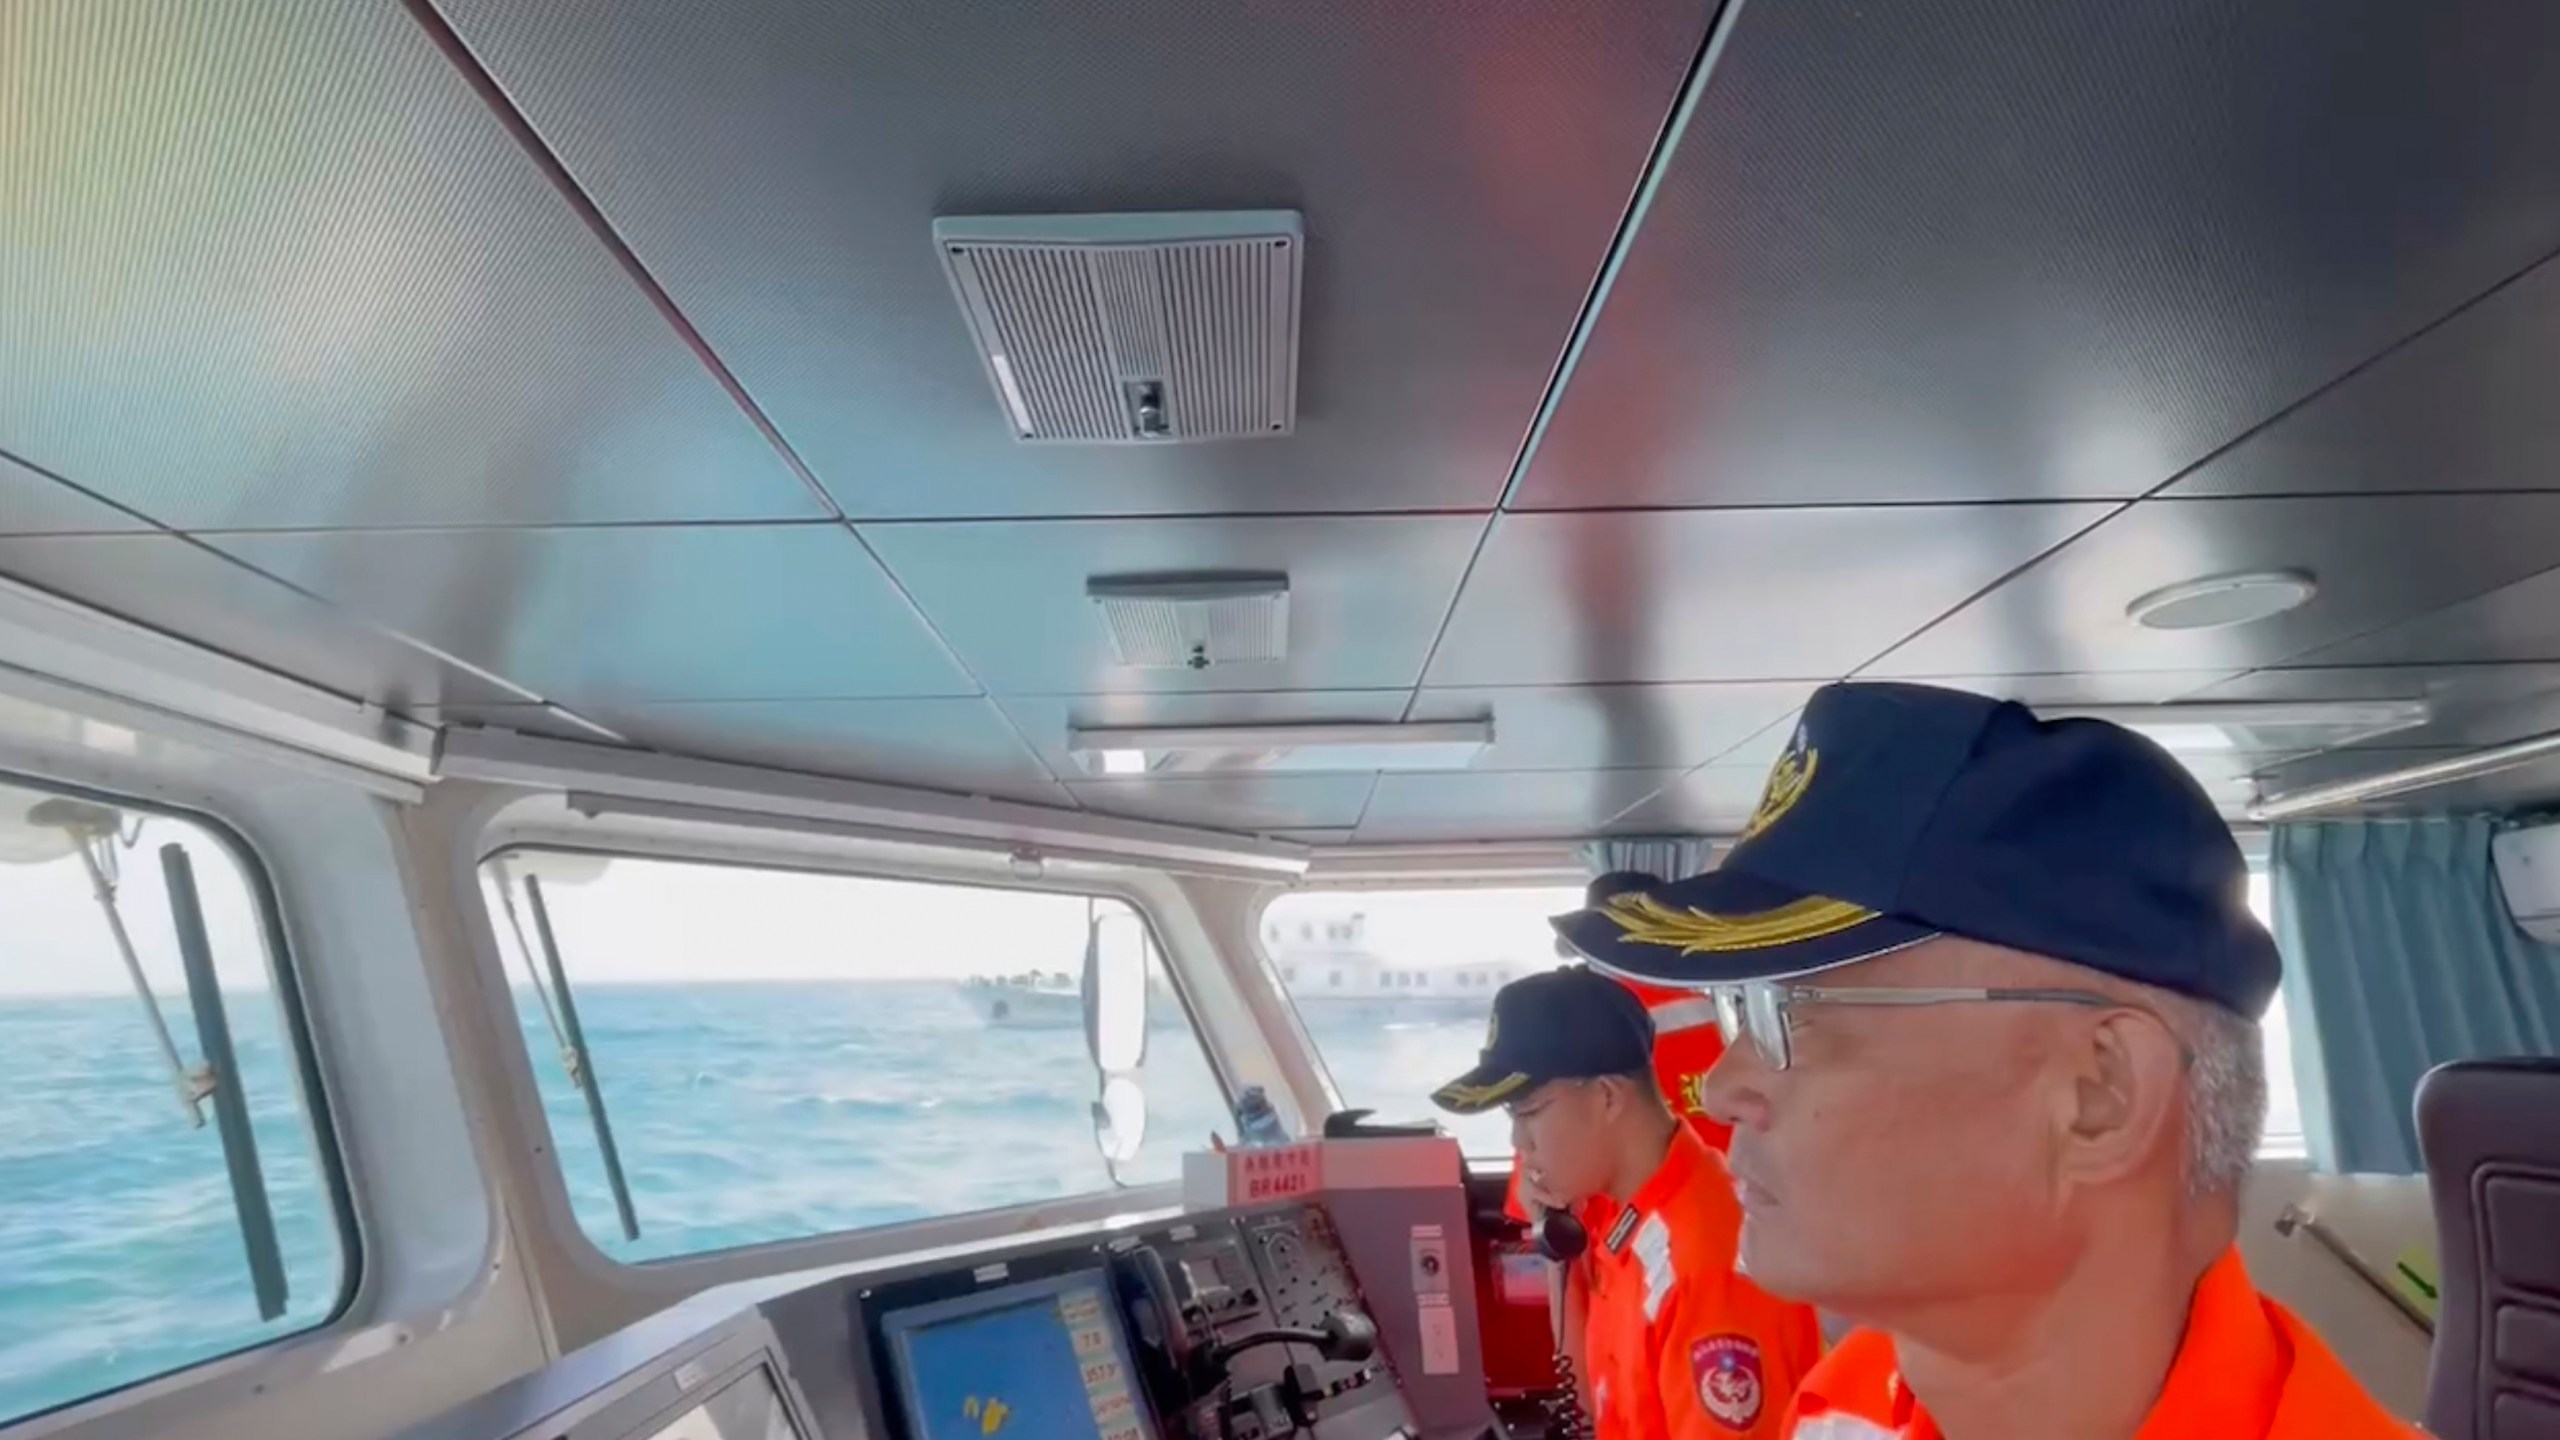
319, 1113
502, 841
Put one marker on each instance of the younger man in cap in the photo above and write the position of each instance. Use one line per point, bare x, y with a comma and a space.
1676, 1345
2001, 1079
1686, 1045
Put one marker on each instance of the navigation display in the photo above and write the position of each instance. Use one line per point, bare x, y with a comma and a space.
1043, 1360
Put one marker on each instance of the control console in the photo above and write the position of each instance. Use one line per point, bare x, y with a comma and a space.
1237, 1326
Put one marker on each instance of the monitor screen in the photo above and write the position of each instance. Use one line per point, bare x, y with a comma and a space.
1042, 1360
747, 1408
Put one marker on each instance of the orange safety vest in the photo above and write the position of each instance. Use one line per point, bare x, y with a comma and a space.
1678, 1346
1686, 1045
2247, 1370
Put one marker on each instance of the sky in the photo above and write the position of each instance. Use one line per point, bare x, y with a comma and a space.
645, 921
54, 938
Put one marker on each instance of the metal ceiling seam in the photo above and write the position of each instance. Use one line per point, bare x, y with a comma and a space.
1657, 164
11, 457
362, 621
2285, 412
501, 105
2012, 573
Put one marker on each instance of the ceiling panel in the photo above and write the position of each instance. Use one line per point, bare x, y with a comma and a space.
2379, 559
778, 167
1251, 804
594, 617
1365, 595
273, 264
32, 503
959, 745
1045, 719
2000, 249
1726, 595
2467, 406
1475, 805
2471, 705
2515, 622
1614, 727
178, 587
1716, 800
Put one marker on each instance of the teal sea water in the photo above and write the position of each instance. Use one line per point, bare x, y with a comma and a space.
745, 1113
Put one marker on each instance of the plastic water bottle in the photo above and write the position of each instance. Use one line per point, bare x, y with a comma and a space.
1257, 1124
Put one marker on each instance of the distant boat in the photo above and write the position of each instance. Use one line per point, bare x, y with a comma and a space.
1330, 973
1054, 1000
1032, 1000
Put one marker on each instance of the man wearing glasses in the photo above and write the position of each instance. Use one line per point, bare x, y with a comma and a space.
1678, 1347
1997, 1078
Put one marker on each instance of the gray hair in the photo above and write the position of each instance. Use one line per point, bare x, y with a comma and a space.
2226, 1090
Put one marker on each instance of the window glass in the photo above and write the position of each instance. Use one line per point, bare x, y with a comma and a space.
1341, 956
123, 1252
787, 1053
1395, 987
2284, 1100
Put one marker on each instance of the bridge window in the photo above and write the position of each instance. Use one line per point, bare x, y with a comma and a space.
777, 1054
1423, 965
165, 1196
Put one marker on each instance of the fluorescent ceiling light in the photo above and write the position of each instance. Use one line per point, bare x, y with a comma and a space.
1277, 749
2256, 727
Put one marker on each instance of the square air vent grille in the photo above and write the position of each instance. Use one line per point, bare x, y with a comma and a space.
1133, 329
1195, 623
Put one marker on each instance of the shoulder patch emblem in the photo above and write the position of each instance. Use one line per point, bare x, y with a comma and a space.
1727, 1371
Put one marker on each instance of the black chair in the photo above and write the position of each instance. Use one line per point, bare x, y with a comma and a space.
2490, 1131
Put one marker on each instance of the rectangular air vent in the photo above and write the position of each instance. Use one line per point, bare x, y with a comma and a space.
1133, 329
1195, 622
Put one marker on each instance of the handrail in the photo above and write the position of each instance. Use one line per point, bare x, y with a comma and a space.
2296, 1218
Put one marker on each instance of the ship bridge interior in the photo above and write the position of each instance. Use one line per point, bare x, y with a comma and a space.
1088, 519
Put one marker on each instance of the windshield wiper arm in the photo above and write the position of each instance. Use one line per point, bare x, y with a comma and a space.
230, 1104
581, 1060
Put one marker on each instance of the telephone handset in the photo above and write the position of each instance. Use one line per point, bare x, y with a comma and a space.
1562, 1239
1164, 1328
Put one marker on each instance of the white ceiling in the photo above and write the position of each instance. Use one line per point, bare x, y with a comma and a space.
583, 366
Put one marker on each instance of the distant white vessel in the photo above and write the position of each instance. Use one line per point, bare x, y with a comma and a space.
1329, 970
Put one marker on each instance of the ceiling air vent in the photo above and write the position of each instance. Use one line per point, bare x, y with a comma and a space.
1195, 622
1133, 329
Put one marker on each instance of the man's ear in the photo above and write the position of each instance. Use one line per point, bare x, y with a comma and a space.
2128, 1085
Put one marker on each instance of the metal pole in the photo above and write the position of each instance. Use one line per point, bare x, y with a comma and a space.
230, 1105
588, 1082
190, 1094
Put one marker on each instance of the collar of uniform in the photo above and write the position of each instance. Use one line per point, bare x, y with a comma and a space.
1680, 1164
2226, 1379
2230, 1369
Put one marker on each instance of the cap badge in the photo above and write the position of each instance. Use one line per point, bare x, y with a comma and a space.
1788, 780
1693, 1093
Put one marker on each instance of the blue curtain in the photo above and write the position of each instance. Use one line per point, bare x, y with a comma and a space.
1672, 858
2399, 955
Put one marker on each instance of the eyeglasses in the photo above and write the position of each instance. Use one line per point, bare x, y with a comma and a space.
1764, 1009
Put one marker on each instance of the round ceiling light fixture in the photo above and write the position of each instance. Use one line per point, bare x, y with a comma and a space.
2218, 602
